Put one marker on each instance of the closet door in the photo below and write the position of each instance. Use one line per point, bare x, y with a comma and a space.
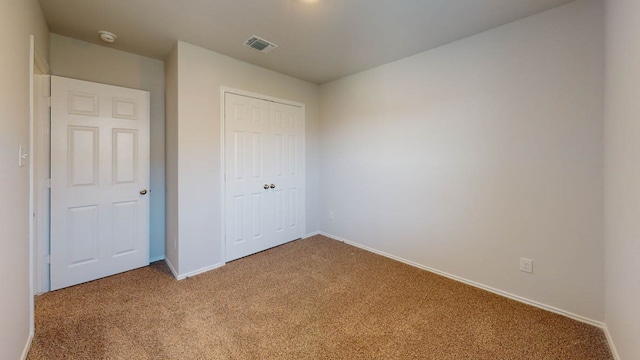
287, 135
263, 174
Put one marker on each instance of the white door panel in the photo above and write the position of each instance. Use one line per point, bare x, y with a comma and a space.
247, 124
99, 165
287, 125
263, 146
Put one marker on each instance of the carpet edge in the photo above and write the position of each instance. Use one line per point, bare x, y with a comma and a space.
502, 293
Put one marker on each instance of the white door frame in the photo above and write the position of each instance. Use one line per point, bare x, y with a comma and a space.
223, 191
41, 175
38, 65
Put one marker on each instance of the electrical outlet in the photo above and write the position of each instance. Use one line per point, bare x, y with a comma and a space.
526, 265
331, 216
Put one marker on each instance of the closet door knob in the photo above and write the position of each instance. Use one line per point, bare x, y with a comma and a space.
273, 186
266, 186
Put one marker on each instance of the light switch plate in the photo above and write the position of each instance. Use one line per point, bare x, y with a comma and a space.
21, 157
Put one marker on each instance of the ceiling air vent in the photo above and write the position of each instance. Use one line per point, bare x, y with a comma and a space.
260, 44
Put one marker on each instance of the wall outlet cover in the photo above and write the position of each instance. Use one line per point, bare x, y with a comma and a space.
526, 265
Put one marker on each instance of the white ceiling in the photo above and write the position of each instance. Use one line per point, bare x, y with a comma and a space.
319, 40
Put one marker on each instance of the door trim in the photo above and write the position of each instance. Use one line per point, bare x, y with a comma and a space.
42, 162
223, 188
37, 65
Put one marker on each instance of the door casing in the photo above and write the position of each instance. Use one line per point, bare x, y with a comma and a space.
41, 174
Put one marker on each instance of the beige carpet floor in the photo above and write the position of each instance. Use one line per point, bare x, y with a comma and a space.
309, 299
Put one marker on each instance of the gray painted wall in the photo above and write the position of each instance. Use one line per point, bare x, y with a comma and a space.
469, 156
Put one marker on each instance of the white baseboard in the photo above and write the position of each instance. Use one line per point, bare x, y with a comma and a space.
612, 346
192, 273
473, 283
27, 347
202, 270
157, 258
311, 234
173, 270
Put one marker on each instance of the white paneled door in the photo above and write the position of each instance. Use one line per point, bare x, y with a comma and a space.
264, 172
99, 180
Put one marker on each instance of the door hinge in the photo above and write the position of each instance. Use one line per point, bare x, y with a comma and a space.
47, 183
47, 101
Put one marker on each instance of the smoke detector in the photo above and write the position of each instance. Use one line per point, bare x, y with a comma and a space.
260, 44
107, 36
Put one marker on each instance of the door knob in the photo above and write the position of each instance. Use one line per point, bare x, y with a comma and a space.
273, 186
143, 192
266, 186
